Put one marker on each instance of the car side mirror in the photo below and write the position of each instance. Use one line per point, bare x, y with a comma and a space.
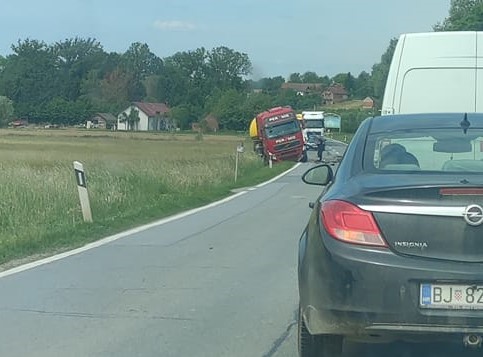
319, 175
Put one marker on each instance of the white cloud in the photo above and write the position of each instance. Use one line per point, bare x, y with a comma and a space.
174, 25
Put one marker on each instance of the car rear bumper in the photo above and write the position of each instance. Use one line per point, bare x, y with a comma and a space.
356, 291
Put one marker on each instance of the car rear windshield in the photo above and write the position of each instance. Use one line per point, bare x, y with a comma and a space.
440, 150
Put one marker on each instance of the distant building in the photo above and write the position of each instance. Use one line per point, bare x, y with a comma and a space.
18, 123
303, 88
149, 117
335, 93
368, 103
102, 121
209, 123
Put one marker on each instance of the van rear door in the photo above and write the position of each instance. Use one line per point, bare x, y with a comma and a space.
435, 73
479, 73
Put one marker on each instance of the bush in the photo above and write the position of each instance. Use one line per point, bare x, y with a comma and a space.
352, 118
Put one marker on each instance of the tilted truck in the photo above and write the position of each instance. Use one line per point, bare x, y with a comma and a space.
277, 135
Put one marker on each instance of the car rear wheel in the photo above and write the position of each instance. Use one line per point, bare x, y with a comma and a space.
317, 345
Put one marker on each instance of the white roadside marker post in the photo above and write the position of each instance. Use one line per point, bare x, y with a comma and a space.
239, 150
82, 188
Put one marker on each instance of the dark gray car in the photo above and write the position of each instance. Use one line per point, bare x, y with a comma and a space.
393, 249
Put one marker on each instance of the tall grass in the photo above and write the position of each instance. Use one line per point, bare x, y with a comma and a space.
131, 180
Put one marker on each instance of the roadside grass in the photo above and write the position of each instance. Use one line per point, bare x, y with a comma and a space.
349, 104
132, 179
344, 137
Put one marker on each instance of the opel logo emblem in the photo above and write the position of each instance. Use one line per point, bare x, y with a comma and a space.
473, 215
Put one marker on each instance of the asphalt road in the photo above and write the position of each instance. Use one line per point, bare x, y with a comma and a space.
219, 282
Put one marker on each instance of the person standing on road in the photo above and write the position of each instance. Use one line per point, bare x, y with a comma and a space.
320, 140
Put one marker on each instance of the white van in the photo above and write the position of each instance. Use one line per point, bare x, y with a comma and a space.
436, 72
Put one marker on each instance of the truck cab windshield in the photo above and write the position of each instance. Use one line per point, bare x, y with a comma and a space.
319, 123
281, 129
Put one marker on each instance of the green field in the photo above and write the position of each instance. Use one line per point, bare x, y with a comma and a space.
344, 137
132, 178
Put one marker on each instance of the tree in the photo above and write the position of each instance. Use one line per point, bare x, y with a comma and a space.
269, 85
255, 103
325, 81
3, 63
295, 78
227, 107
75, 58
171, 87
363, 86
183, 115
310, 77
6, 110
464, 15
90, 86
64, 112
185, 78
140, 61
30, 73
115, 89
227, 67
380, 70
286, 97
132, 118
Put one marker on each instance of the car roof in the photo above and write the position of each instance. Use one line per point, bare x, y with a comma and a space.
424, 121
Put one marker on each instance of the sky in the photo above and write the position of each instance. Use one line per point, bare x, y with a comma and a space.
279, 36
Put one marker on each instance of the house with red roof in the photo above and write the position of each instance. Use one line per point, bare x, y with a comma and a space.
368, 103
335, 93
141, 116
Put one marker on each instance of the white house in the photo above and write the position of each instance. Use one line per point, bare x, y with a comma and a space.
150, 116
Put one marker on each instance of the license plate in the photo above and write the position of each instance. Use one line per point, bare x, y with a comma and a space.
450, 296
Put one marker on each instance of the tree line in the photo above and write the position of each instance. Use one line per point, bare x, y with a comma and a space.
68, 81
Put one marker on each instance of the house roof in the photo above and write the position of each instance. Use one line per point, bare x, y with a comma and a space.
108, 117
151, 109
301, 86
337, 89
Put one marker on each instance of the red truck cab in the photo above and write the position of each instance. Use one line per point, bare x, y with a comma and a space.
278, 135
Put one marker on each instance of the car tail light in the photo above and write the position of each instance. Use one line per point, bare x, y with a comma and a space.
351, 224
